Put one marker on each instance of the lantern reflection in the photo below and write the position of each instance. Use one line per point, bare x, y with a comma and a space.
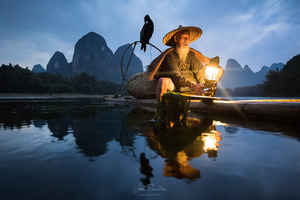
211, 141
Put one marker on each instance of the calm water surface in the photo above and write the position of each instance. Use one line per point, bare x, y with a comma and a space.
88, 149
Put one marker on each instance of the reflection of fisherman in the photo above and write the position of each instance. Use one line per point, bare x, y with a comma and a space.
178, 148
177, 166
180, 68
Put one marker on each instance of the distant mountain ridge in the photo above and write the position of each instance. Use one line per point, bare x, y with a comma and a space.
58, 64
93, 56
236, 76
136, 64
38, 69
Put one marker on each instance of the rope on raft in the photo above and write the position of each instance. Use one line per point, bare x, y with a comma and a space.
122, 87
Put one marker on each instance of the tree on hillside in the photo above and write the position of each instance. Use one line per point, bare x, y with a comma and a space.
85, 83
285, 82
15, 79
272, 83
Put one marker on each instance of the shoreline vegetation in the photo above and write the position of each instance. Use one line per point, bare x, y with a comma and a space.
15, 79
47, 96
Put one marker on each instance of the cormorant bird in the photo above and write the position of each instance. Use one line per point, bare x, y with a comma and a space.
146, 169
146, 32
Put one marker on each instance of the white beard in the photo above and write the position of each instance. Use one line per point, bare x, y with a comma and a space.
182, 53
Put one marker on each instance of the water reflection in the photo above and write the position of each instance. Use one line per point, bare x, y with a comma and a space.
11, 120
145, 169
92, 129
59, 125
39, 123
95, 128
180, 145
211, 141
131, 151
92, 134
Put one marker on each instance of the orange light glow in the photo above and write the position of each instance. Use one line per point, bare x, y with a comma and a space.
218, 123
211, 73
211, 140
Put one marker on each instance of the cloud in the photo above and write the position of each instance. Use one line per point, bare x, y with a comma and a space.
33, 49
250, 35
21, 55
241, 29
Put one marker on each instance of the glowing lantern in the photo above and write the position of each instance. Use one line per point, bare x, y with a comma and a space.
211, 73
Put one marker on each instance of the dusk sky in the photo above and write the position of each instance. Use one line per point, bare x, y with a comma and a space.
253, 32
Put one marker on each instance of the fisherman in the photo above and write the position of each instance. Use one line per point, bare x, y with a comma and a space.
180, 68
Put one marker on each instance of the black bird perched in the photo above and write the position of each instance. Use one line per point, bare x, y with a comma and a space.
146, 32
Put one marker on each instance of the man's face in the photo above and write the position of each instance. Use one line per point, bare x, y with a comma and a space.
182, 39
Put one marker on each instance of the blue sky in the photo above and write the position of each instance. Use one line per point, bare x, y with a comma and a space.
254, 32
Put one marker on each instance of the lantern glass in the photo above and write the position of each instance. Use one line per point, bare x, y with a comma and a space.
211, 73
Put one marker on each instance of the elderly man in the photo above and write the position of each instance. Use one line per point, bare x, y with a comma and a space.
180, 68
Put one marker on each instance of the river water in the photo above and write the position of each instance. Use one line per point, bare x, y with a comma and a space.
90, 149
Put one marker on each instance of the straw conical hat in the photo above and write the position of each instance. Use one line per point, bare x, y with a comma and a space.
195, 33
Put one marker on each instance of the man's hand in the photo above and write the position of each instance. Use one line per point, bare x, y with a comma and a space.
198, 88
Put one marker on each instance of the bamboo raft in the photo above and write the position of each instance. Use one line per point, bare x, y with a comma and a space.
265, 109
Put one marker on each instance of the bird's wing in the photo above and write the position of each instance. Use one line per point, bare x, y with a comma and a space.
148, 31
143, 32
